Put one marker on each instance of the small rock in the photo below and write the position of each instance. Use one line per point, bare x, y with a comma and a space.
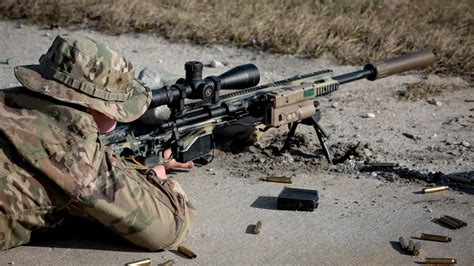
368, 115
215, 64
134, 51
434, 102
411, 136
20, 26
367, 152
47, 34
209, 169
466, 144
253, 149
261, 160
429, 210
373, 174
335, 105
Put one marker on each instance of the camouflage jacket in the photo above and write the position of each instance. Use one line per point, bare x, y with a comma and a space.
51, 158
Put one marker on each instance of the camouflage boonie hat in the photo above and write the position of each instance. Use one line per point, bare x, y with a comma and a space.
85, 72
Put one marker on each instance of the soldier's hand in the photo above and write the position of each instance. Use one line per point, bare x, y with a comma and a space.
160, 171
173, 163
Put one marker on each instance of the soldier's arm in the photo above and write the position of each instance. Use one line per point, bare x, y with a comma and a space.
150, 213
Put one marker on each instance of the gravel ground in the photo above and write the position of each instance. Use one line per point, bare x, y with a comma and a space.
363, 210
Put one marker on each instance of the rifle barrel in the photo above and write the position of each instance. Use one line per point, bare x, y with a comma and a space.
389, 67
353, 76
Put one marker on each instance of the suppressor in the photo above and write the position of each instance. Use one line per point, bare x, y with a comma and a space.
187, 252
434, 189
437, 238
439, 261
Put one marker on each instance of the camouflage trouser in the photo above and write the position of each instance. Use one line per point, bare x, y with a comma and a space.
147, 213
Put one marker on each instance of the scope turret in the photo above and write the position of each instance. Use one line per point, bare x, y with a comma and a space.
194, 87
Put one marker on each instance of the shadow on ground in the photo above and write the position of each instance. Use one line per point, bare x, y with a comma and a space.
81, 235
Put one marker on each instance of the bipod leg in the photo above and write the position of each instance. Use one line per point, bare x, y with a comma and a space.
322, 137
290, 137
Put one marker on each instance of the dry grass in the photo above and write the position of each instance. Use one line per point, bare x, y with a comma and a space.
351, 31
421, 90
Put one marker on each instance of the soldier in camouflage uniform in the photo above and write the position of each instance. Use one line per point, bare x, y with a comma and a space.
52, 161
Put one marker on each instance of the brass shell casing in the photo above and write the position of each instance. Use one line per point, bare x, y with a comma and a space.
258, 228
449, 222
437, 238
439, 261
460, 222
411, 246
434, 189
168, 263
417, 249
279, 179
144, 262
187, 252
461, 179
403, 243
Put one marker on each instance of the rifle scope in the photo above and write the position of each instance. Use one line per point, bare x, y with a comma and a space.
207, 89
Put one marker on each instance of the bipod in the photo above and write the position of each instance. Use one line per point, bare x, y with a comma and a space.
322, 136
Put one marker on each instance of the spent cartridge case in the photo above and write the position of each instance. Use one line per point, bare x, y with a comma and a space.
411, 246
187, 252
437, 238
439, 261
461, 179
434, 189
144, 262
168, 263
460, 222
449, 222
258, 228
403, 243
279, 179
417, 249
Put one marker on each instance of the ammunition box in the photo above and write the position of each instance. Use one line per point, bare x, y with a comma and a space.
298, 199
